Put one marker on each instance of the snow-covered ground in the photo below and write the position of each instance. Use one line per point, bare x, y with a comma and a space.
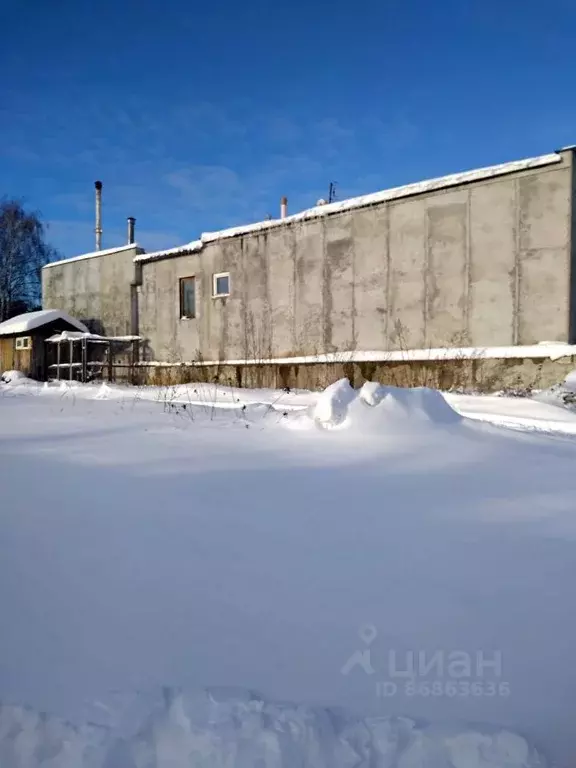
366, 557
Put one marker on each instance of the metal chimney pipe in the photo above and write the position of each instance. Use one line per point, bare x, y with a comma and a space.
283, 207
98, 228
131, 224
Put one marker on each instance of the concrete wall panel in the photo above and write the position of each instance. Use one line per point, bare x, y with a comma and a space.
187, 329
543, 305
544, 215
544, 209
281, 288
255, 322
167, 313
95, 290
407, 287
309, 254
446, 270
371, 266
492, 264
147, 304
338, 311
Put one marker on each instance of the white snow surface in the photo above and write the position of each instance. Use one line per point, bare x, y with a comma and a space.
292, 543
28, 321
374, 198
222, 728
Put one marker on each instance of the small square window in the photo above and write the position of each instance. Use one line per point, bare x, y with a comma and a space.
221, 284
188, 297
24, 342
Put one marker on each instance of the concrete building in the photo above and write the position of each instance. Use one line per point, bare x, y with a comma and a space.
481, 258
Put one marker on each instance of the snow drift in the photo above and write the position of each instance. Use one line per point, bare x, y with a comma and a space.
219, 728
376, 407
13, 377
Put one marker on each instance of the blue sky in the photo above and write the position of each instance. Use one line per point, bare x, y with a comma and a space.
198, 116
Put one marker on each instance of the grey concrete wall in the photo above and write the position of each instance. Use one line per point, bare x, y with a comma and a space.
95, 290
487, 263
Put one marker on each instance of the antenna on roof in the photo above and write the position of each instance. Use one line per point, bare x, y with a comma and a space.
332, 191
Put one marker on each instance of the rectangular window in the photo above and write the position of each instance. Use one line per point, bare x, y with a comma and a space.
24, 342
221, 285
187, 297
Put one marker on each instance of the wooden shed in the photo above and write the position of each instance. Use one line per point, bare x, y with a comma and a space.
22, 340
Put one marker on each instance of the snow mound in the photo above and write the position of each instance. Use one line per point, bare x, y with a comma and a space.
104, 392
331, 408
11, 377
17, 379
570, 382
377, 407
221, 728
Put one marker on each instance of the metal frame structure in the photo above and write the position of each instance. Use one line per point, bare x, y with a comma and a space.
88, 368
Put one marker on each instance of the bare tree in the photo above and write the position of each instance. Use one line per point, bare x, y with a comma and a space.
23, 253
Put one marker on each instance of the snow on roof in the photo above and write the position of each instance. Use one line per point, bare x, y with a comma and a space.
179, 250
108, 252
31, 320
363, 201
78, 336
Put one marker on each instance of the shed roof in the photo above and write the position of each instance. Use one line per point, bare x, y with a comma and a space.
30, 321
